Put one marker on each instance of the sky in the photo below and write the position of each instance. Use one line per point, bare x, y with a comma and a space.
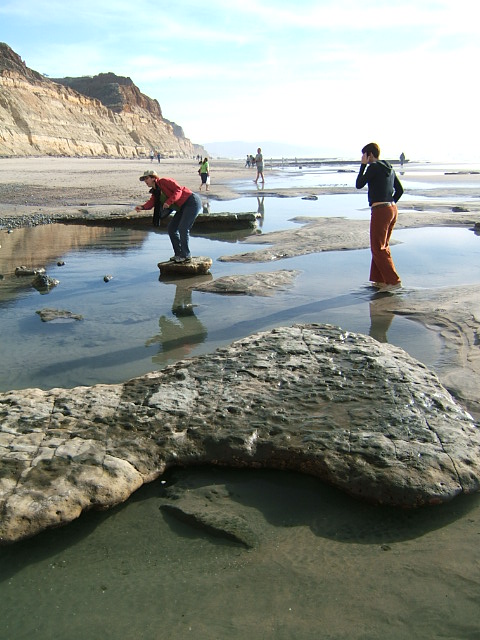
328, 75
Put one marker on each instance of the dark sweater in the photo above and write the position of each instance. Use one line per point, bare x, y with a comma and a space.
383, 184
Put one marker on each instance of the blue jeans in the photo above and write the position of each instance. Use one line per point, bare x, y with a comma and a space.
181, 223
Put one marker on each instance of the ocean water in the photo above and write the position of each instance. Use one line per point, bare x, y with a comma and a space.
326, 565
414, 175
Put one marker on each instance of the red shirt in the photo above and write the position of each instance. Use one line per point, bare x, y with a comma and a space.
175, 194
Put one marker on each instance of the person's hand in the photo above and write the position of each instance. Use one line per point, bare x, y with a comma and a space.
139, 208
166, 206
364, 158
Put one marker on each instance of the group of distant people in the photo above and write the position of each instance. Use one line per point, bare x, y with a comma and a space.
158, 155
384, 191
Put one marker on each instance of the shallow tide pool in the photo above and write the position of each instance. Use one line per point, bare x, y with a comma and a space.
136, 322
326, 565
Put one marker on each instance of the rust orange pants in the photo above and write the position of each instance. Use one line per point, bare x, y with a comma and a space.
382, 221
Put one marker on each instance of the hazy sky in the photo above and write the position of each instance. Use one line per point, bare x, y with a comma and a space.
328, 74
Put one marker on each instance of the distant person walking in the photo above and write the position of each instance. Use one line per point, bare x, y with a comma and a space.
259, 165
152, 155
204, 173
167, 195
384, 191
402, 159
159, 157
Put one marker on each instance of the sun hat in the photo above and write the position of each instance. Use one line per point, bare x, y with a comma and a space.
148, 174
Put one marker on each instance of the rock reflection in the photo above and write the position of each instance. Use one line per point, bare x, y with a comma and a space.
179, 335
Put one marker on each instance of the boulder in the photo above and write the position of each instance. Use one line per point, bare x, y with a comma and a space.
196, 266
362, 415
29, 271
58, 315
44, 283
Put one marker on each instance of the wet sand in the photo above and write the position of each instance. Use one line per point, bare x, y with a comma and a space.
326, 566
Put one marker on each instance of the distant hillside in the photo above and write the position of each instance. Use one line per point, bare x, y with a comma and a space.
104, 115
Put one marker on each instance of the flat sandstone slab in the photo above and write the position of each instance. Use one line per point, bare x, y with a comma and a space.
196, 266
252, 284
362, 415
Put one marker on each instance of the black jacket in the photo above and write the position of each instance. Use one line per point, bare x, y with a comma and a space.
383, 184
158, 211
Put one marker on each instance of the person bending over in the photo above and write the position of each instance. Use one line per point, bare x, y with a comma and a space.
168, 195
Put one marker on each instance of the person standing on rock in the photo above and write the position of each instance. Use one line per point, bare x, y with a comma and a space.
384, 191
167, 195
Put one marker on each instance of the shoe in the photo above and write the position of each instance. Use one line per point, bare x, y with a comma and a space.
377, 285
178, 259
391, 287
172, 259
189, 259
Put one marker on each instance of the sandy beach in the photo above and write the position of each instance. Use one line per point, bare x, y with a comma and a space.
327, 565
56, 185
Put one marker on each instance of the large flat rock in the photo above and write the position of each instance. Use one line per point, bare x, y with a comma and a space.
362, 415
251, 284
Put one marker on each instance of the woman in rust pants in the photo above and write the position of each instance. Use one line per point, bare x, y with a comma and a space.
384, 191
382, 221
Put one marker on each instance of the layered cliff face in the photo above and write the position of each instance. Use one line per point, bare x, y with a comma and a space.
115, 92
101, 116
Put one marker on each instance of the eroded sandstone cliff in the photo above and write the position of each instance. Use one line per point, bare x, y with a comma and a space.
102, 116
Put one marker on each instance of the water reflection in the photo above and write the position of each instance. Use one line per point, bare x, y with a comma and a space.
261, 210
179, 335
380, 321
134, 323
43, 245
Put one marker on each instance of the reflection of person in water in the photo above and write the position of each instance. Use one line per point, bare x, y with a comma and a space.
261, 209
380, 321
181, 334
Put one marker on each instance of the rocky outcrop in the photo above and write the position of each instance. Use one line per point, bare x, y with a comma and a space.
253, 284
311, 236
41, 117
114, 92
196, 265
362, 415
58, 315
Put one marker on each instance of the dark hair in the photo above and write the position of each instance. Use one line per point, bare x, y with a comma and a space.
372, 148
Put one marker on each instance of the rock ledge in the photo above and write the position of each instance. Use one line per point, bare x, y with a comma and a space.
363, 416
